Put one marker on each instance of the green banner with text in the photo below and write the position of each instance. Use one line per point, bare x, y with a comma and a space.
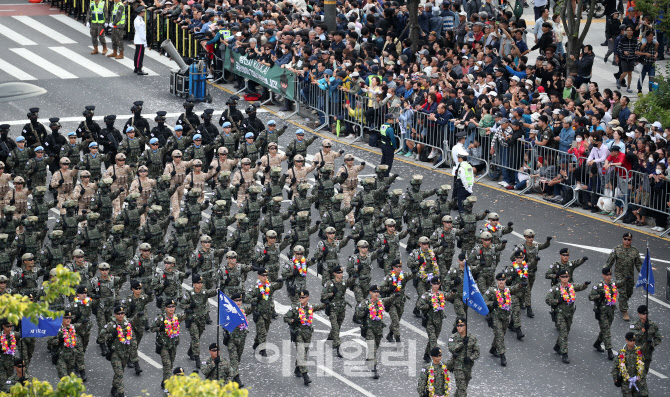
276, 79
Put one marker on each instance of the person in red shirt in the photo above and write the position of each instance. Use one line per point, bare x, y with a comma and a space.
617, 159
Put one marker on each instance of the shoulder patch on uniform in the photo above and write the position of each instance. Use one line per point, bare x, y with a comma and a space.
632, 326
451, 339
594, 287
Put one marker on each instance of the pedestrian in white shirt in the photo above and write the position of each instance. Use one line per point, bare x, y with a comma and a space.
140, 41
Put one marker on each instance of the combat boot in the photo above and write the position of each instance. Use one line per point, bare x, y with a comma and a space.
397, 338
104, 49
375, 373
339, 354
296, 372
95, 50
306, 379
597, 346
519, 333
138, 370
503, 360
389, 337
82, 375
104, 350
197, 361
208, 320
119, 55
190, 353
493, 351
565, 358
239, 382
626, 317
557, 349
610, 354
113, 54
529, 312
263, 353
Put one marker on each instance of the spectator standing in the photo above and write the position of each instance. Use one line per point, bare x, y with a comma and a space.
647, 50
626, 51
140, 41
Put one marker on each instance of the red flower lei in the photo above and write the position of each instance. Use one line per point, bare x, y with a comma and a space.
8, 346
376, 313
568, 294
125, 339
305, 318
172, 327
521, 270
69, 337
504, 299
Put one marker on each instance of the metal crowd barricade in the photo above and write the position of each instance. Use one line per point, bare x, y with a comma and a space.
316, 99
347, 109
429, 133
650, 192
508, 160
613, 183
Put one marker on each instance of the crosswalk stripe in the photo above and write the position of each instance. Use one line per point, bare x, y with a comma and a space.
44, 29
14, 71
76, 25
12, 35
84, 62
43, 63
159, 58
127, 62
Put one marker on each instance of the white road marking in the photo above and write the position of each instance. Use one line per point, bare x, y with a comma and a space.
346, 381
14, 71
81, 118
84, 62
44, 29
127, 62
149, 360
660, 302
12, 35
43, 63
660, 375
76, 25
159, 58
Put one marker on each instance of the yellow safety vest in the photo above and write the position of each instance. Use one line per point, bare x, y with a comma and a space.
469, 173
98, 12
225, 34
122, 21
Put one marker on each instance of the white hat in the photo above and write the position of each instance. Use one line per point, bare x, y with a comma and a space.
516, 78
657, 124
493, 93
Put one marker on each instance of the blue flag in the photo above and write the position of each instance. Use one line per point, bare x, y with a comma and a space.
45, 327
646, 277
471, 294
230, 315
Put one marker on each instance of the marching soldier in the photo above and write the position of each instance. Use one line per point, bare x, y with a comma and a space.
647, 335
120, 174
516, 273
152, 158
468, 224
348, 177
188, 120
88, 129
105, 289
299, 146
102, 202
561, 298
67, 347
17, 160
497, 231
297, 174
85, 269
325, 188
232, 115
110, 138
11, 350
393, 208
161, 132
454, 279
131, 146
167, 282
229, 138
197, 179
36, 170
249, 149
34, 132
115, 251
295, 273
118, 333
604, 297
421, 225
204, 261
153, 230
235, 341
268, 255
221, 163
231, 276
414, 196
208, 130
63, 182
6, 258
179, 244
136, 303
198, 150
6, 144
168, 329
215, 369
335, 217
333, 295
434, 377
40, 209
90, 238
359, 267
260, 296
275, 217
140, 123
626, 369
24, 281
161, 195
564, 264
142, 267
394, 285
178, 141
82, 311
327, 254
51, 254
389, 245
84, 191
300, 234
487, 257
53, 143
531, 249
4, 180
243, 179
143, 186
464, 350
432, 304
301, 202
196, 310
269, 136
177, 173
423, 262
299, 318
252, 123
18, 198
370, 314
443, 206
627, 262
444, 238
91, 162
499, 301
20, 377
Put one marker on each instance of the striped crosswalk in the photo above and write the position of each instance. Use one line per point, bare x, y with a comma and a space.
57, 46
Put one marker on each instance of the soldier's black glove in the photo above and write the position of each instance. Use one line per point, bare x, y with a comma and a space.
114, 255
504, 242
267, 168
166, 282
524, 283
217, 360
141, 271
549, 238
456, 280
170, 218
61, 182
587, 282
317, 222
296, 272
293, 181
466, 339
487, 212
363, 163
585, 258
175, 244
468, 360
193, 305
122, 189
173, 173
334, 289
12, 201
241, 179
489, 320
259, 162
509, 224
341, 151
84, 320
188, 273
140, 314
617, 383
24, 216
387, 249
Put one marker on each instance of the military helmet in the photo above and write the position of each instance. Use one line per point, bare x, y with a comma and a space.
156, 208
145, 247
169, 259
205, 239
362, 244
103, 266
277, 200
275, 171
121, 156
424, 240
4, 236
396, 192
447, 218
337, 198
224, 175
219, 205
231, 254
176, 153
298, 157
65, 160
368, 182
240, 216
195, 192
54, 234
78, 252
106, 182
389, 222
27, 256
529, 233
381, 168
367, 210
143, 168
181, 222
87, 173
70, 204
494, 216
133, 196
330, 229
303, 214
255, 189
485, 235
443, 190
270, 233
299, 249
304, 186
40, 191
92, 216
164, 179
116, 229
416, 179
326, 169
470, 200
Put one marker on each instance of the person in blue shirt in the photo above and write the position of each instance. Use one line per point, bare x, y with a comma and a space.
566, 136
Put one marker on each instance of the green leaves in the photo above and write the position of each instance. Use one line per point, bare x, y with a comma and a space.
69, 386
193, 386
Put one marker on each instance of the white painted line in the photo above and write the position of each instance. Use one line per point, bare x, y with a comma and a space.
12, 35
345, 381
43, 63
79, 27
44, 29
159, 58
660, 375
127, 62
149, 360
660, 302
607, 251
80, 118
84, 62
14, 71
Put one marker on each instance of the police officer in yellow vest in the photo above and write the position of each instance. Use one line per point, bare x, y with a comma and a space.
95, 19
464, 179
387, 142
118, 28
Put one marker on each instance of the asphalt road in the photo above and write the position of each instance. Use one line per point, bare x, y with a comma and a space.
533, 368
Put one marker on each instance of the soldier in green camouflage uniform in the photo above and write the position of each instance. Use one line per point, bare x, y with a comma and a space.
301, 233
382, 184
327, 254
153, 230
115, 333
8, 223
131, 145
299, 318
260, 296
205, 262
6, 256
388, 245
167, 327
224, 191
394, 285
115, 251
365, 197
167, 282
443, 240
335, 217
294, 272
564, 264
91, 162
422, 225
230, 276
152, 158
85, 269
629, 357
298, 146
36, 169
454, 280
604, 296
647, 335
19, 377
252, 207
196, 309
105, 289
215, 369
28, 241
437, 386
249, 148
179, 245
275, 186
40, 208
325, 188
627, 262
364, 229
432, 304
497, 231
531, 249
161, 195
274, 219
82, 311
499, 302
25, 281
333, 295
235, 340
142, 267
464, 350
468, 224
516, 273
102, 202
370, 314
241, 241
268, 255
443, 206
90, 238
302, 202
69, 224
393, 209
359, 268
562, 301
424, 263
270, 135
51, 254
487, 256
413, 197
217, 225
130, 217
68, 350
192, 211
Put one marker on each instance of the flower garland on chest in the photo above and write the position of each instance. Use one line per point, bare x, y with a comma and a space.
568, 294
69, 337
301, 265
434, 272
172, 327
521, 269
431, 380
397, 280
127, 337
491, 227
611, 294
84, 302
437, 301
376, 310
504, 298
264, 288
639, 363
8, 343
305, 316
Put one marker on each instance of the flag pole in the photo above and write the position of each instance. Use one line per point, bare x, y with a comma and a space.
218, 328
648, 277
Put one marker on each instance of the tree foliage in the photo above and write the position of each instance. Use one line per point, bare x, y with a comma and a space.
571, 25
655, 9
194, 386
69, 386
655, 105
